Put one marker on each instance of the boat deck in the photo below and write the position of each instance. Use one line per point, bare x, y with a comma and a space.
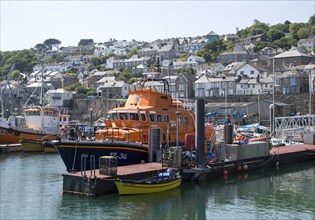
291, 148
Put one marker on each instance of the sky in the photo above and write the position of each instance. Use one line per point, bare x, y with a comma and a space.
23, 24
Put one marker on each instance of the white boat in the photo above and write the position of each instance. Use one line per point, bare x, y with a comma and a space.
36, 122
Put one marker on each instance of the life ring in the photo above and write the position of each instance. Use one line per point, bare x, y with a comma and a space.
10, 130
17, 133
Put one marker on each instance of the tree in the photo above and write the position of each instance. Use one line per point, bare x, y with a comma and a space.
81, 90
72, 87
125, 76
40, 48
303, 33
294, 28
260, 46
85, 42
285, 43
15, 74
51, 42
98, 60
281, 27
257, 28
275, 34
24, 61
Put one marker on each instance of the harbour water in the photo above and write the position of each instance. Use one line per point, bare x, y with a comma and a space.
31, 188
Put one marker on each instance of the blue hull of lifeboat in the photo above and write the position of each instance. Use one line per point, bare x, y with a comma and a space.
71, 153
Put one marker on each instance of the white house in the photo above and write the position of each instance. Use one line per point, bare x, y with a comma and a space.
232, 68
206, 87
247, 87
307, 44
113, 89
185, 64
110, 63
57, 97
59, 67
253, 71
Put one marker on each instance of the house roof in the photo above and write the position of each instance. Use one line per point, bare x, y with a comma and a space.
269, 79
211, 33
223, 79
276, 103
291, 53
166, 48
260, 68
60, 90
112, 84
202, 79
106, 79
291, 73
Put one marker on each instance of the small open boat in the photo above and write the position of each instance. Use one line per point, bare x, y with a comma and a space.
165, 181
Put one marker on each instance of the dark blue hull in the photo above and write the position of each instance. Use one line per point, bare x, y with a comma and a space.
71, 153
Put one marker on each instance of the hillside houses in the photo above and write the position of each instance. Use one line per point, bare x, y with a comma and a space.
244, 71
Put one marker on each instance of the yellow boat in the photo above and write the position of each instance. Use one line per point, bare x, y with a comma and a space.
156, 185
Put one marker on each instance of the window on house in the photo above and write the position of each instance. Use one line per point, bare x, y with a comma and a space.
293, 81
252, 72
277, 82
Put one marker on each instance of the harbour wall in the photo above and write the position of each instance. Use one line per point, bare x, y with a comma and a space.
80, 108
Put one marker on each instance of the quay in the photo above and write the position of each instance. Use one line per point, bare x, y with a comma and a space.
93, 183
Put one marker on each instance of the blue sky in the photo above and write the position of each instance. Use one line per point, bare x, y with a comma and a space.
23, 23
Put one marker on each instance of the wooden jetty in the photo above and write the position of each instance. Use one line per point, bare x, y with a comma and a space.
93, 183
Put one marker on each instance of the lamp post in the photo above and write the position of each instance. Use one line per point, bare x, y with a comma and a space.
177, 134
91, 121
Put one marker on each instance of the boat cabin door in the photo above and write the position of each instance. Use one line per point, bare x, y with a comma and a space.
155, 141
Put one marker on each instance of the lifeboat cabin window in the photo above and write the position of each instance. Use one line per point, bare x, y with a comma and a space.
166, 118
123, 116
179, 120
114, 116
159, 118
134, 116
185, 120
32, 113
137, 99
152, 117
143, 117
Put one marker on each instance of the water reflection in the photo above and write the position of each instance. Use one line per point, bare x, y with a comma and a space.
31, 188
